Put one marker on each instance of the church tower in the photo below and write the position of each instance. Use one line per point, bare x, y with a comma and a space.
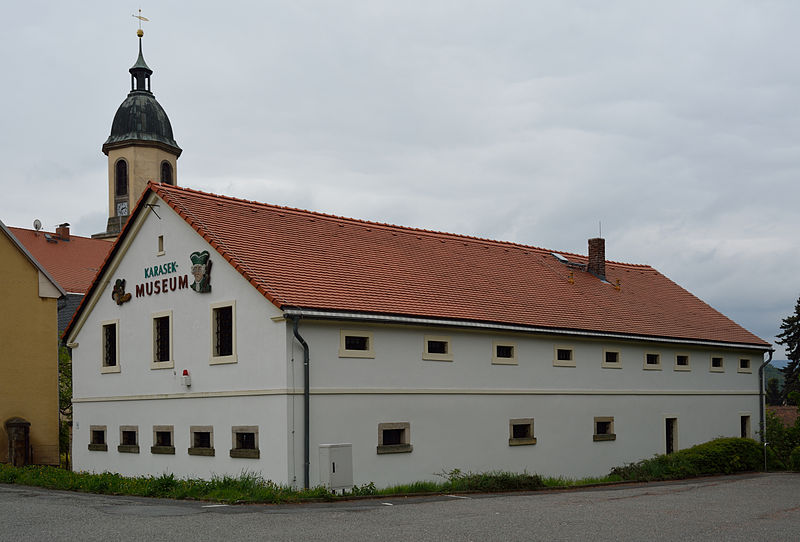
140, 148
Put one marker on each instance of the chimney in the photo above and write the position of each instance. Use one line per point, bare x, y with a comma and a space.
63, 231
597, 257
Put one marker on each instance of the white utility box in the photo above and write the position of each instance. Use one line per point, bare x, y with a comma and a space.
336, 466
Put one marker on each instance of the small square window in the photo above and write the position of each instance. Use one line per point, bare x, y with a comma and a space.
652, 361
504, 353
604, 429
110, 342
437, 348
355, 344
163, 442
128, 439
245, 442
223, 333
744, 365
682, 362
162, 341
612, 359
97, 438
717, 364
563, 357
394, 437
520, 432
202, 440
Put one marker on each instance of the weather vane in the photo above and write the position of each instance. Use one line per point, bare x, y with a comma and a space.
141, 18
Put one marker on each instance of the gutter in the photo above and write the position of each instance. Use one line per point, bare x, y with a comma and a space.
761, 400
306, 401
414, 320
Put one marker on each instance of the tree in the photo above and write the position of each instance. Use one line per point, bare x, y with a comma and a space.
65, 404
773, 392
790, 338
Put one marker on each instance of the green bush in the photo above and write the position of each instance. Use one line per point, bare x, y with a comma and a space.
719, 456
781, 439
794, 459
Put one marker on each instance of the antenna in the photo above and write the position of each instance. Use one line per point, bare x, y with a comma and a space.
37, 224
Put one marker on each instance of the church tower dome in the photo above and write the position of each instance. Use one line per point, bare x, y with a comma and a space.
140, 148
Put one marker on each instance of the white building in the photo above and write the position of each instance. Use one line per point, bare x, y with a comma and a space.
426, 352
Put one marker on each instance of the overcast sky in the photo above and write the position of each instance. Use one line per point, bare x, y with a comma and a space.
674, 124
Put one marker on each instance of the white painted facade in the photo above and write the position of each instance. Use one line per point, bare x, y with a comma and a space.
458, 411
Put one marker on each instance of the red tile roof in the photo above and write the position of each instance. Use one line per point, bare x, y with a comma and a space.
73, 264
787, 414
309, 260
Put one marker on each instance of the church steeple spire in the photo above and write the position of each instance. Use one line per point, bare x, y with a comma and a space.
140, 72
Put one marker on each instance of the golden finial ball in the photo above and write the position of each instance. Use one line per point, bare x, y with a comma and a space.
140, 32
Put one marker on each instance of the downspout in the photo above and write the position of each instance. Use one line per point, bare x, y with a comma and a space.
306, 401
761, 399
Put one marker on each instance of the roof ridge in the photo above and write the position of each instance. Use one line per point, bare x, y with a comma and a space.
384, 225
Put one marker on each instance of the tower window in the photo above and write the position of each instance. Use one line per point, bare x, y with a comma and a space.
166, 173
121, 178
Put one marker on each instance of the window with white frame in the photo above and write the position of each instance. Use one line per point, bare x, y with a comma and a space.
355, 344
394, 438
652, 361
97, 438
162, 341
110, 344
563, 356
716, 364
744, 365
504, 353
244, 444
201, 440
520, 432
682, 362
437, 348
163, 440
604, 429
128, 439
612, 359
223, 332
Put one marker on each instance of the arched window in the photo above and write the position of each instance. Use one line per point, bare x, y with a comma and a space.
121, 178
166, 172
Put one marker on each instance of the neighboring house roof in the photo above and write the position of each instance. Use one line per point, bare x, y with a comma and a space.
73, 264
302, 259
787, 414
41, 269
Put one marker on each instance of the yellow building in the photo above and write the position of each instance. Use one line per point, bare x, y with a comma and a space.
29, 360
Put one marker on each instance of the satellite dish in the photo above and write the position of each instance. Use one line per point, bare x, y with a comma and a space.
37, 224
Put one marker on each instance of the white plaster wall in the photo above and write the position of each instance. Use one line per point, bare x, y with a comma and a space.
467, 427
267, 412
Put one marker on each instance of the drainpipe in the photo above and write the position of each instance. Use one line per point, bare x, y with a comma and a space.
306, 401
761, 400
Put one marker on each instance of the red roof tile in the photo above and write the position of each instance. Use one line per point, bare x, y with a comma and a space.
73, 264
310, 260
787, 414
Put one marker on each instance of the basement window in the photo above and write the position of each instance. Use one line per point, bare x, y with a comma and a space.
612, 359
604, 429
201, 438
682, 362
162, 341
163, 441
394, 438
128, 439
245, 442
563, 357
520, 432
504, 353
437, 348
97, 438
223, 333
355, 344
744, 365
717, 364
652, 361
110, 355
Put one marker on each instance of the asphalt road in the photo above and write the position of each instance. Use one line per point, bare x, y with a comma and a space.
730, 508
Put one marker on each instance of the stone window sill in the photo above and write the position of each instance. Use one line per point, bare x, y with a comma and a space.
395, 449
128, 448
166, 450
208, 452
245, 454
